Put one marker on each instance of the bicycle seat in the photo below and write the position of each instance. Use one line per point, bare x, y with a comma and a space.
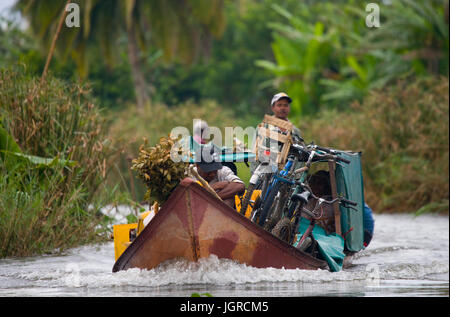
300, 152
302, 197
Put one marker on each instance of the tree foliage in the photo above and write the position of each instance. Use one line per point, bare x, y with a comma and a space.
326, 55
181, 29
320, 52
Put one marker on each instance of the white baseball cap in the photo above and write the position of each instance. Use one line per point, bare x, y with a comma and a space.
279, 96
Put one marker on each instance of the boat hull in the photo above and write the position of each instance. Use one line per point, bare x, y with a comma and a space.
193, 224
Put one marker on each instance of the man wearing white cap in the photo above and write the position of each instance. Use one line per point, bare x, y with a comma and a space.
281, 107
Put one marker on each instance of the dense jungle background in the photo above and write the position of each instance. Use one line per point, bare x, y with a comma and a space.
135, 69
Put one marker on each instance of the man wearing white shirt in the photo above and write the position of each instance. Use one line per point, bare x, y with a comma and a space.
219, 177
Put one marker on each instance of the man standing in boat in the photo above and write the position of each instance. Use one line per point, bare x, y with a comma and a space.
281, 107
221, 178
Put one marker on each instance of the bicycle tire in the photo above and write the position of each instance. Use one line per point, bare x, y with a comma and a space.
267, 204
283, 230
264, 183
292, 207
271, 221
278, 208
246, 200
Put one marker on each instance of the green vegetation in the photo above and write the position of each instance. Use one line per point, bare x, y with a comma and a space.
326, 56
49, 195
179, 29
158, 171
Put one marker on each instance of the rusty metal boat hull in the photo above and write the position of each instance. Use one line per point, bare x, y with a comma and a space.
193, 224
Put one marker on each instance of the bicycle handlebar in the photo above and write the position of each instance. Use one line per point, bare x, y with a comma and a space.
324, 149
349, 202
301, 150
333, 157
330, 151
341, 199
331, 154
341, 159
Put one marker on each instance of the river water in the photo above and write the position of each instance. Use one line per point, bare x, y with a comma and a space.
408, 256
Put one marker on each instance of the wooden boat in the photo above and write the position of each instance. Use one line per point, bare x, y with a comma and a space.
193, 224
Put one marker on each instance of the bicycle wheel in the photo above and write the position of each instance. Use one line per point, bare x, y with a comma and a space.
283, 230
264, 183
271, 219
268, 202
278, 207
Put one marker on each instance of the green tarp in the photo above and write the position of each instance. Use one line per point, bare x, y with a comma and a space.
331, 247
349, 183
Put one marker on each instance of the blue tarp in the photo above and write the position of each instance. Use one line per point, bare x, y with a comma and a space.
331, 246
225, 156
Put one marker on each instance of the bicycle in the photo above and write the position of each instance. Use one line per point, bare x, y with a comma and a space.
287, 227
274, 198
314, 156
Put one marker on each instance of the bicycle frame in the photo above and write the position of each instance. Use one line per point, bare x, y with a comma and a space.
280, 176
269, 195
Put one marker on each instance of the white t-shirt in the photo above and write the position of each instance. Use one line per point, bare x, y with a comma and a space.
225, 174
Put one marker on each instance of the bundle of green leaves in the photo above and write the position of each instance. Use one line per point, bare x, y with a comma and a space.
158, 171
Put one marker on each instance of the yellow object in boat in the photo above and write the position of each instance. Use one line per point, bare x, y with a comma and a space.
122, 239
126, 233
143, 221
238, 202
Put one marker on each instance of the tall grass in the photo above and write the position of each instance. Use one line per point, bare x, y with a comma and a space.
43, 208
38, 216
403, 132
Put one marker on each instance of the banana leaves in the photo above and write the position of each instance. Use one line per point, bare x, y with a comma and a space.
11, 154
